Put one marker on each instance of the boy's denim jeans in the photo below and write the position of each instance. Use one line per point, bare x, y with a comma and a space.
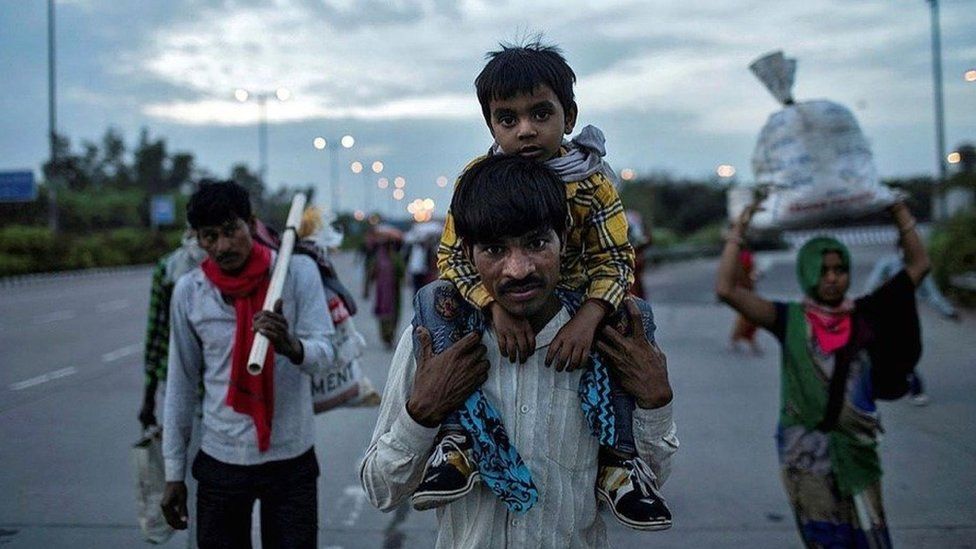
447, 316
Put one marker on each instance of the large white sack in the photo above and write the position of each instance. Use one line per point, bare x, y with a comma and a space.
811, 157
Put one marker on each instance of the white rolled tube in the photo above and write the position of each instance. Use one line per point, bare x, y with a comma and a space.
259, 348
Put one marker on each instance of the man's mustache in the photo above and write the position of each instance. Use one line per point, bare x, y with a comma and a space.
521, 285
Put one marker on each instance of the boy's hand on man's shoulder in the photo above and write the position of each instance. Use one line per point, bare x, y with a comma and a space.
516, 340
640, 365
571, 347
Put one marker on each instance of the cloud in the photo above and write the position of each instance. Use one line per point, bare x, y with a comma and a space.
232, 113
416, 59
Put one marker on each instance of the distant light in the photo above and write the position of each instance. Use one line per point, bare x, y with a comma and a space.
953, 157
970, 75
399, 182
627, 174
377, 167
442, 181
283, 94
320, 143
412, 207
398, 194
241, 94
428, 204
725, 170
359, 215
383, 183
348, 141
356, 167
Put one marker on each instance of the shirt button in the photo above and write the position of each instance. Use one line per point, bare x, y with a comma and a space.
515, 522
524, 409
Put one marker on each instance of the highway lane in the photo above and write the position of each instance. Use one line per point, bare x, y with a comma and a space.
67, 478
57, 331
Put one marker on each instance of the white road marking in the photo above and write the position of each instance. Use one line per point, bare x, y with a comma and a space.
111, 306
65, 314
355, 493
63, 372
112, 356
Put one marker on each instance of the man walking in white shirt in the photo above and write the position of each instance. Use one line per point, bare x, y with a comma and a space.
257, 440
510, 214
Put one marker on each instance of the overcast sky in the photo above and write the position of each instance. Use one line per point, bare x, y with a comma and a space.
667, 81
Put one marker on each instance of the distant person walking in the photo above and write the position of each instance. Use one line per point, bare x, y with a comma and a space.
745, 277
168, 270
838, 356
421, 245
640, 240
384, 273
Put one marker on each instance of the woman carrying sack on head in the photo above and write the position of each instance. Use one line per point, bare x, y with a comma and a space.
838, 356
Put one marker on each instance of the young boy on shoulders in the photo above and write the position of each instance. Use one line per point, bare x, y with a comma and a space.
526, 96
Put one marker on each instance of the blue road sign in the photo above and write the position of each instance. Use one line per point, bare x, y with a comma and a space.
162, 210
17, 186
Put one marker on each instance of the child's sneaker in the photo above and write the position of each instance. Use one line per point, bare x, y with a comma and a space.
626, 485
450, 473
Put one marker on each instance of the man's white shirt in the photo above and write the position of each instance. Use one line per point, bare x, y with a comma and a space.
540, 409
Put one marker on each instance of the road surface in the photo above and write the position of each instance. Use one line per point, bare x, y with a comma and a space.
71, 382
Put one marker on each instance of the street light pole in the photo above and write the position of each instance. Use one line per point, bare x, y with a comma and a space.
938, 196
334, 174
332, 147
52, 121
281, 94
263, 138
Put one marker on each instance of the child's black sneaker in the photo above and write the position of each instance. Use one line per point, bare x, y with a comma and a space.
449, 475
627, 486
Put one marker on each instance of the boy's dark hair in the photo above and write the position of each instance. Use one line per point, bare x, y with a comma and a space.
505, 196
515, 70
217, 202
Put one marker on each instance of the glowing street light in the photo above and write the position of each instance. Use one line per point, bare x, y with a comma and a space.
377, 167
356, 167
332, 146
970, 75
383, 183
281, 94
359, 215
399, 182
398, 194
954, 157
725, 171
441, 181
628, 174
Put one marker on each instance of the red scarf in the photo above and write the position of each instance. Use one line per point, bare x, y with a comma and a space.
831, 325
246, 393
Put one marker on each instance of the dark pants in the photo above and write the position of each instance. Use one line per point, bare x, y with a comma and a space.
226, 493
915, 385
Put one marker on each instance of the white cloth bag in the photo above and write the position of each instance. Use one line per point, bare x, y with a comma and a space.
343, 382
811, 157
147, 460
